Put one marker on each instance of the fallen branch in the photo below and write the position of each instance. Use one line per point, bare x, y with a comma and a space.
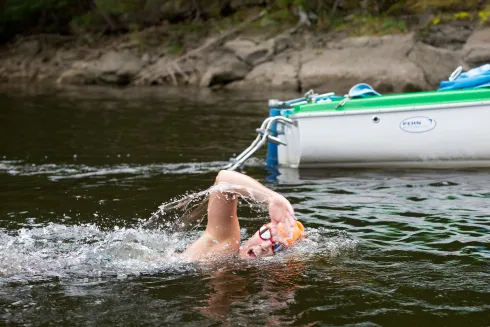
154, 74
172, 75
181, 72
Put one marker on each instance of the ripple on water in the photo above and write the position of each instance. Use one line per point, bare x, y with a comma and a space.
440, 213
79, 171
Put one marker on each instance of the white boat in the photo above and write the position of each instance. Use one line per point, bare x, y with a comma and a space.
436, 129
426, 129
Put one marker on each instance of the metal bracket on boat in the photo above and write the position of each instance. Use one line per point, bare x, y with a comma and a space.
343, 102
274, 103
309, 97
456, 73
262, 137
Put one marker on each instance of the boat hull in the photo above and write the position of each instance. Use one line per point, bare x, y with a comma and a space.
440, 136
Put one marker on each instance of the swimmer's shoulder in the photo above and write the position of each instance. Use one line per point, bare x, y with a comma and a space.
207, 246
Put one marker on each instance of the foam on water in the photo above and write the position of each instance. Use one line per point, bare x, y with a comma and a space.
86, 251
79, 171
60, 251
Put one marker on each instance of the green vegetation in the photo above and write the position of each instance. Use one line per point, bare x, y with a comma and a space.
372, 25
357, 17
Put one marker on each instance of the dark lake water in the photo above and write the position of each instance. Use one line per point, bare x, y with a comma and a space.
82, 169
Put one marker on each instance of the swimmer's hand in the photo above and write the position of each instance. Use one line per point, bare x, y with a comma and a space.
281, 211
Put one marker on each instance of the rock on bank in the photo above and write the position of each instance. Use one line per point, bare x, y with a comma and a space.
289, 61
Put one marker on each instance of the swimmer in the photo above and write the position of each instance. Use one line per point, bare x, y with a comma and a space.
222, 234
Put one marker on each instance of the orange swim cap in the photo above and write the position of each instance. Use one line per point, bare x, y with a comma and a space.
298, 232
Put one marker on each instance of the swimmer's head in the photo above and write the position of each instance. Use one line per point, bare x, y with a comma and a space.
262, 243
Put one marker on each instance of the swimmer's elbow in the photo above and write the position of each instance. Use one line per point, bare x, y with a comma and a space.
225, 176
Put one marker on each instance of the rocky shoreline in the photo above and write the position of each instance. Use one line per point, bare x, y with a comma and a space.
294, 60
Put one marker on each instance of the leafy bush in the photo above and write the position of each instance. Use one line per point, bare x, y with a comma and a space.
28, 16
74, 16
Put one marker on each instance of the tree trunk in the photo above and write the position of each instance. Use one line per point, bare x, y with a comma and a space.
334, 7
197, 8
110, 22
3, 6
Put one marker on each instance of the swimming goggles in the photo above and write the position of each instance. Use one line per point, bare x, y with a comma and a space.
266, 235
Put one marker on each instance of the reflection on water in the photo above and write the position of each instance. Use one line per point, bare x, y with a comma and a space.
81, 172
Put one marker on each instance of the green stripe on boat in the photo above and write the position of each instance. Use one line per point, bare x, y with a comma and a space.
400, 100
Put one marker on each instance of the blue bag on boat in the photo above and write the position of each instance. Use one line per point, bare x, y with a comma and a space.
362, 90
474, 78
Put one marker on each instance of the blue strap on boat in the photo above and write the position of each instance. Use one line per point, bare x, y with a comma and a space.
474, 78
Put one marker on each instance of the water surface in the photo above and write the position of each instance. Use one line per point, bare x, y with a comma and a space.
82, 169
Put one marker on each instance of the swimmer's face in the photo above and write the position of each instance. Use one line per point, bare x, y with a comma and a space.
256, 247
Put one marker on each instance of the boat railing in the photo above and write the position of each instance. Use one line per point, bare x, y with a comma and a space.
309, 97
263, 136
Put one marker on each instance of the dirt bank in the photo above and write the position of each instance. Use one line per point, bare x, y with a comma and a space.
293, 59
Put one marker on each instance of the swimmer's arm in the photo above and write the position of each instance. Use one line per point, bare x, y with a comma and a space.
223, 230
223, 201
280, 210
247, 187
